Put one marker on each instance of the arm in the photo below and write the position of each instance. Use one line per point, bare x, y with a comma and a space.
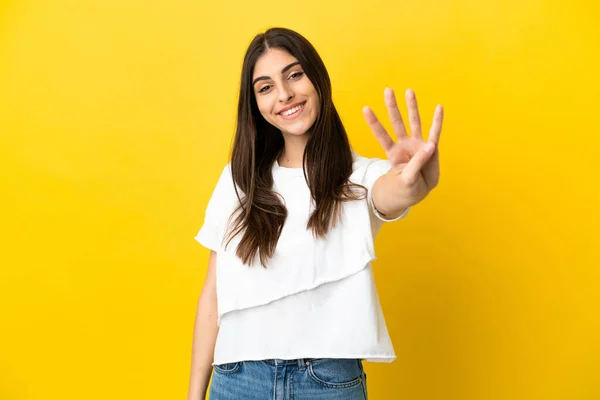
205, 334
388, 198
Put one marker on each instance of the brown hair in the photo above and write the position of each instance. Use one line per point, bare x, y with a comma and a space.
327, 159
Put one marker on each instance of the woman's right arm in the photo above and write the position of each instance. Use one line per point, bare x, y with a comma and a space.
205, 334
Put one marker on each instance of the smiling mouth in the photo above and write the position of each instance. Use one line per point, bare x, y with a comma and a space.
292, 111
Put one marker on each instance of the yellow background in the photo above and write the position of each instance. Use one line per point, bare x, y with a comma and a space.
116, 119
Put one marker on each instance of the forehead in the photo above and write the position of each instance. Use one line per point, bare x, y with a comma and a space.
271, 62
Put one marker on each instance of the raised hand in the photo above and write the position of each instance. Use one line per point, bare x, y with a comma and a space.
415, 162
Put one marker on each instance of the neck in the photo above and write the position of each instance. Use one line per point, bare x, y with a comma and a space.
293, 150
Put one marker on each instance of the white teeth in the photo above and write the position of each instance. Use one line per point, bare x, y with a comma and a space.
292, 110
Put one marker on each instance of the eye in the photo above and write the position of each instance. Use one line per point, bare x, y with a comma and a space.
264, 88
296, 75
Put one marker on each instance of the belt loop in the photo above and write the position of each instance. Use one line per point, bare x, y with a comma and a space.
301, 364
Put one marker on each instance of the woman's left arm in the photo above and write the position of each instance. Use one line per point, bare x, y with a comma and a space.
415, 169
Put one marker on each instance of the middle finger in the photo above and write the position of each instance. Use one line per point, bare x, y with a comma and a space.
394, 113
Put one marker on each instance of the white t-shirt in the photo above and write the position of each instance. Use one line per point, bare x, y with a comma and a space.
316, 298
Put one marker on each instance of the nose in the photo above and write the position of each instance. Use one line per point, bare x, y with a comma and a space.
285, 94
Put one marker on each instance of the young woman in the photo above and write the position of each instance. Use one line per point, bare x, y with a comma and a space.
289, 309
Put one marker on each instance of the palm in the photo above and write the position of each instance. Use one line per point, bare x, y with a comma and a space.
403, 150
412, 165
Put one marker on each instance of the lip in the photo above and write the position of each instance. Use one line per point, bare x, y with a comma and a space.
290, 107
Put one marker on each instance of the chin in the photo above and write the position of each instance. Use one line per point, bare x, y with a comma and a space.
295, 132
301, 128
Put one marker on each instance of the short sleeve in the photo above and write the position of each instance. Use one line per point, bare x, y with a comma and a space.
211, 232
376, 168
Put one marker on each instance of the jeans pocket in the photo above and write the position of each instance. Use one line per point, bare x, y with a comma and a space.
336, 372
227, 368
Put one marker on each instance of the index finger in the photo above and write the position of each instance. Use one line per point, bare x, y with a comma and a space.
378, 130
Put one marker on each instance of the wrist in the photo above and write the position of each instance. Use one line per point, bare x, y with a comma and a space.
389, 198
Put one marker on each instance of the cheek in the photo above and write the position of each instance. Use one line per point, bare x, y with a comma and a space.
313, 95
263, 107
316, 103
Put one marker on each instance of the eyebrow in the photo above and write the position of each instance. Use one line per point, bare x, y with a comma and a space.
264, 78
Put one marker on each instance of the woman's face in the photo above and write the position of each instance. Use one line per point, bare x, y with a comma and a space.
285, 96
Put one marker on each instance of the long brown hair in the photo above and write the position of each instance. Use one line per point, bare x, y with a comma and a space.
327, 159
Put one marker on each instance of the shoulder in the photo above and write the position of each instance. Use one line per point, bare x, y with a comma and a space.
359, 162
224, 186
225, 177
366, 170
362, 162
226, 170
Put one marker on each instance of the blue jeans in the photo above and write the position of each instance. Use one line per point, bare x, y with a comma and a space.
300, 379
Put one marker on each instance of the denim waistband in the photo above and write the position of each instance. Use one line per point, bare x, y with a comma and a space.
302, 362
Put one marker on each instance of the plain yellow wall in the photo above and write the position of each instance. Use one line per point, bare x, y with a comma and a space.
116, 118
